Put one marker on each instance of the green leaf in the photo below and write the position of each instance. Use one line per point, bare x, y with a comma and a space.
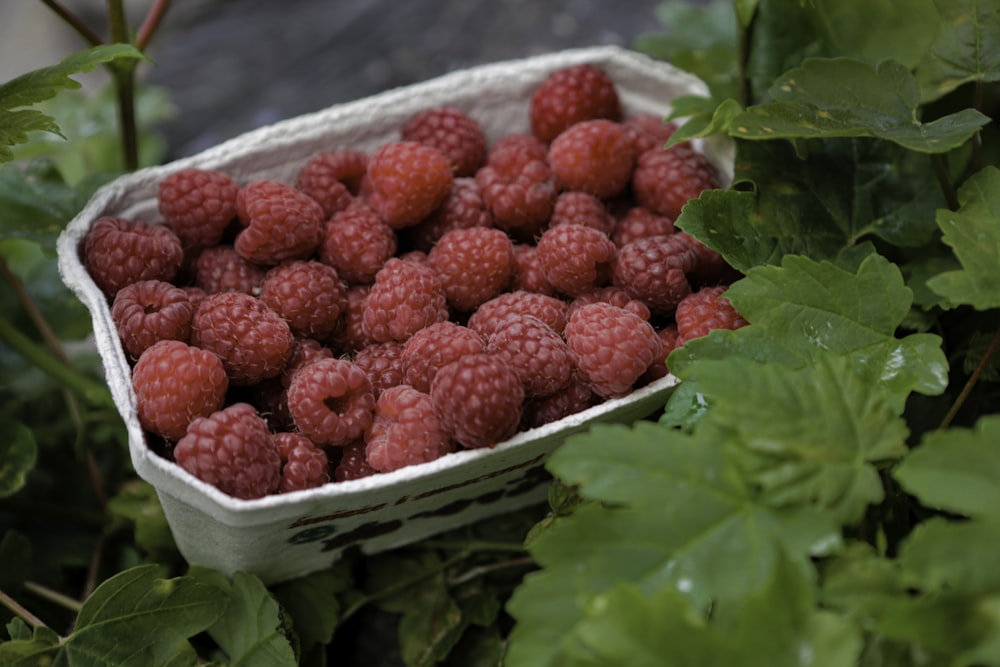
137, 618
313, 604
842, 97
876, 30
37, 648
138, 503
428, 631
974, 235
18, 454
967, 48
957, 556
43, 84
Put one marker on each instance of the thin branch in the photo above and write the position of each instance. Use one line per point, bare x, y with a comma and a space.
73, 21
971, 382
46, 593
34, 313
20, 611
150, 24
483, 570
123, 74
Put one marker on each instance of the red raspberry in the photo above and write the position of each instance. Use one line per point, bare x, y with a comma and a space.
253, 341
233, 450
478, 400
118, 252
520, 202
174, 383
149, 311
512, 153
576, 259
463, 208
353, 462
331, 401
333, 178
434, 347
639, 222
405, 298
195, 294
458, 136
664, 180
647, 131
575, 397
704, 311
271, 395
580, 208
383, 363
282, 223
535, 351
616, 296
303, 464
351, 336
654, 270
198, 204
593, 156
528, 274
304, 351
613, 347
221, 269
549, 309
474, 265
357, 243
308, 294
711, 268
405, 431
408, 180
571, 95
658, 369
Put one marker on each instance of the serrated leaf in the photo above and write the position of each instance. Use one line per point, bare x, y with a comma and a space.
876, 30
974, 235
28, 648
958, 556
431, 629
967, 48
313, 604
704, 118
18, 453
137, 502
843, 97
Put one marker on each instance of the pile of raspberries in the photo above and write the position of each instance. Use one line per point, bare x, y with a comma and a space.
438, 293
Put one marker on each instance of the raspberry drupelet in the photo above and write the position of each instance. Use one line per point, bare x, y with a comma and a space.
654, 270
665, 180
576, 259
303, 464
221, 269
308, 294
703, 311
535, 351
593, 156
549, 309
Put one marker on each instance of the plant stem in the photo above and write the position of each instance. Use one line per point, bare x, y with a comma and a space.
20, 611
150, 24
971, 382
482, 570
73, 21
744, 46
123, 75
56, 597
947, 187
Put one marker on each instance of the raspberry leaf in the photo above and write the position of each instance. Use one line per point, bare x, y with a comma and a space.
314, 604
18, 452
28, 647
138, 503
967, 48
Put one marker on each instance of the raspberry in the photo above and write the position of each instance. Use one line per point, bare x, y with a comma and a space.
405, 431
198, 204
664, 180
654, 270
549, 309
616, 296
593, 156
478, 400
639, 222
353, 462
333, 178
303, 464
570, 95
253, 341
118, 252
308, 294
233, 450
383, 363
535, 351
474, 265
408, 180
658, 369
350, 336
331, 401
711, 268
271, 395
281, 223
580, 208
613, 347
221, 269
405, 298
357, 243
462, 208
174, 383
528, 274
575, 397
458, 136
647, 131
434, 347
512, 153
704, 311
195, 294
520, 202
304, 351
575, 259
149, 311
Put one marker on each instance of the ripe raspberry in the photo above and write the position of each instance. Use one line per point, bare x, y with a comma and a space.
548, 309
233, 450
221, 269
149, 311
353, 462
639, 222
331, 401
510, 154
405, 298
333, 178
281, 223
647, 131
463, 208
195, 294
593, 156
576, 259
405, 431
571, 95
474, 265
350, 336
198, 204
613, 347
520, 202
357, 243
383, 363
575, 397
704, 311
118, 252
535, 351
271, 395
711, 268
654, 270
478, 400
664, 180
458, 136
174, 383
303, 464
658, 369
434, 347
528, 275
580, 208
308, 294
616, 296
408, 180
253, 341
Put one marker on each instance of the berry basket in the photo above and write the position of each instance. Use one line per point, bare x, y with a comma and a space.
278, 537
